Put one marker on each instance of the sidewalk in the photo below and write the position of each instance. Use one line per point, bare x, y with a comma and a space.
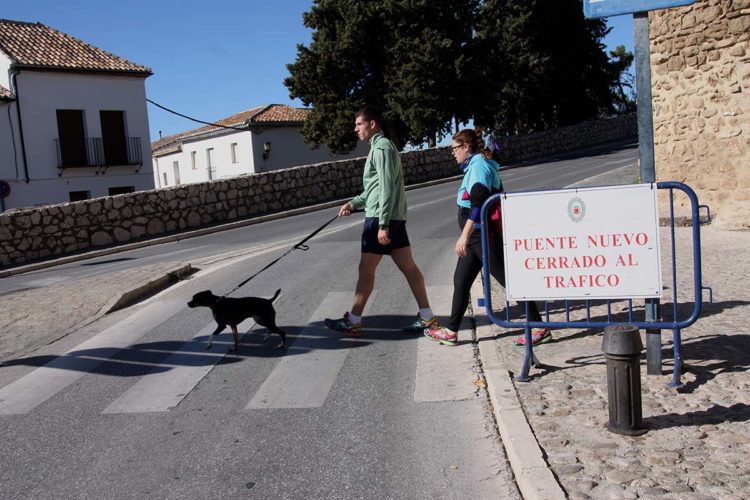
698, 445
37, 317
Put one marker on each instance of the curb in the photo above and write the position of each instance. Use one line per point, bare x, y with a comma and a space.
533, 476
130, 297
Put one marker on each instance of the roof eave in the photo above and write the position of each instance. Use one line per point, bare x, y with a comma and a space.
63, 69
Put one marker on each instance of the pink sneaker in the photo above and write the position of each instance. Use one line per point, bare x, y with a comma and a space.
441, 335
539, 336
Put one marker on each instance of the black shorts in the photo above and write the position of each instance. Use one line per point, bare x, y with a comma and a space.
396, 232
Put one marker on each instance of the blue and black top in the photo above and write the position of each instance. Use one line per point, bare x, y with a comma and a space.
481, 179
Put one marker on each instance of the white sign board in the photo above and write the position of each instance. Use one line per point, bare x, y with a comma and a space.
586, 243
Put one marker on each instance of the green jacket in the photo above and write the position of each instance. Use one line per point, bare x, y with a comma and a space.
383, 178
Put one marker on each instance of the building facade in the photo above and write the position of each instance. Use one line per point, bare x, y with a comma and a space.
700, 66
75, 124
260, 139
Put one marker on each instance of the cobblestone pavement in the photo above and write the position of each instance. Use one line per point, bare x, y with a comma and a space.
698, 441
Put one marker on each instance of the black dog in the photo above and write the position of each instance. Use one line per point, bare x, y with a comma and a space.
232, 312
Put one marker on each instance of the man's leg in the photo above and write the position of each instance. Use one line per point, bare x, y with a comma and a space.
368, 263
405, 262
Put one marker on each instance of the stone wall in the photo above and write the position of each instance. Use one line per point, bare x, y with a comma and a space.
53, 230
700, 64
40, 232
566, 139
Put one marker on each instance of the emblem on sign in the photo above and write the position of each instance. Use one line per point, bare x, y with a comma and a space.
576, 209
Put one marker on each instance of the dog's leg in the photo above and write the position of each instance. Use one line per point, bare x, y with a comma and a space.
282, 334
236, 337
218, 330
269, 322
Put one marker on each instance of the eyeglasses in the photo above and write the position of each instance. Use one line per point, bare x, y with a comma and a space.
454, 148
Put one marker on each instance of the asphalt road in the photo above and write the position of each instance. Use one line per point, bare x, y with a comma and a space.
551, 174
133, 405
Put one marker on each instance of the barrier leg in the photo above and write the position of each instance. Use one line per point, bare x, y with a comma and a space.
677, 373
653, 339
527, 358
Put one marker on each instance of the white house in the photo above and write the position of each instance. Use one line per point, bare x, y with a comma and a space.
73, 121
257, 140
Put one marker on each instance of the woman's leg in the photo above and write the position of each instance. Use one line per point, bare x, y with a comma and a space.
497, 270
467, 269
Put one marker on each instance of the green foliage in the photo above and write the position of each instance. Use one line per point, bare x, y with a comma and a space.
514, 65
547, 64
622, 79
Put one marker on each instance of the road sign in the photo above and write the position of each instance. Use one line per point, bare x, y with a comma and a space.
607, 8
585, 243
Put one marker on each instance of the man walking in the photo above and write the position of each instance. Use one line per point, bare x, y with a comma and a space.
384, 232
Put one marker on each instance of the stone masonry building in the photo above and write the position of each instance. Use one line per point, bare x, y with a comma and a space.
700, 64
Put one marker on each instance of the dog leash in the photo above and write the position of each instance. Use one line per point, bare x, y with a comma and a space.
299, 246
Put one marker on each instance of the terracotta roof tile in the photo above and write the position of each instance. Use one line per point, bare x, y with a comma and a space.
38, 46
280, 113
5, 94
269, 115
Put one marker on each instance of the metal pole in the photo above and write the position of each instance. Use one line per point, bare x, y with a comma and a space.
646, 156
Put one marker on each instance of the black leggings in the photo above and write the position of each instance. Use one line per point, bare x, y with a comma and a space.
467, 269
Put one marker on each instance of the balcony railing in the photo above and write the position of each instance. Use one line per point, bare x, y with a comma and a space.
95, 152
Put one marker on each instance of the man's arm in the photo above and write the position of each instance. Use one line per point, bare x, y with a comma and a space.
384, 166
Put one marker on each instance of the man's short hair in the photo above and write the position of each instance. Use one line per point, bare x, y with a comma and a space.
371, 113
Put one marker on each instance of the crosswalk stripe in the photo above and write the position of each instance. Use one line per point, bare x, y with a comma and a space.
444, 373
304, 376
163, 390
28, 392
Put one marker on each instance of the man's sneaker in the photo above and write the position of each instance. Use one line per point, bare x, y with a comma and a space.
345, 326
539, 336
442, 335
420, 325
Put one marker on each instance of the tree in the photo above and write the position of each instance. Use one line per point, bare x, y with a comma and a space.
404, 56
545, 65
515, 66
622, 79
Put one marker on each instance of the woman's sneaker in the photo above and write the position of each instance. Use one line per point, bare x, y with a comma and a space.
420, 325
539, 336
442, 335
345, 326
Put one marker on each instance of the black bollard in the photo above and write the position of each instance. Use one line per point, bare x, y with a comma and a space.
622, 347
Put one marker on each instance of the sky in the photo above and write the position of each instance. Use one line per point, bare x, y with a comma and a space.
210, 59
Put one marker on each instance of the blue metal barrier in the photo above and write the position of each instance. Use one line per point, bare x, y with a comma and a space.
675, 325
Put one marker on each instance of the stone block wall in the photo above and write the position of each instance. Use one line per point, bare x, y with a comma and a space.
42, 232
566, 139
39, 232
700, 71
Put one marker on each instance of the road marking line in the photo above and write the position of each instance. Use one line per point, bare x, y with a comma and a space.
305, 375
445, 373
164, 390
31, 390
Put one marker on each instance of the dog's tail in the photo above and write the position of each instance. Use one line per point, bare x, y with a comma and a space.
275, 295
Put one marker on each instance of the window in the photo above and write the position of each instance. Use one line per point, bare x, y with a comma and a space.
234, 152
114, 141
193, 160
176, 169
71, 138
79, 195
210, 163
121, 190
165, 179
